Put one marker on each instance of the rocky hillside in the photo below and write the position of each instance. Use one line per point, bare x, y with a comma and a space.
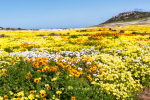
127, 18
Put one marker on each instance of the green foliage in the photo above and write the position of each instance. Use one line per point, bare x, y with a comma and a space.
16, 77
8, 49
90, 38
73, 36
116, 37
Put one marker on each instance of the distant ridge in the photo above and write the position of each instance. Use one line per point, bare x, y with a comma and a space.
127, 18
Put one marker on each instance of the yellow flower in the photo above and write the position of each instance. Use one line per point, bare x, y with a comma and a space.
96, 79
36, 80
70, 87
20, 94
15, 94
73, 98
93, 82
5, 96
46, 85
54, 79
37, 96
1, 98
31, 96
58, 92
32, 92
42, 91
26, 98
42, 95
58, 73
11, 92
53, 97
29, 74
62, 88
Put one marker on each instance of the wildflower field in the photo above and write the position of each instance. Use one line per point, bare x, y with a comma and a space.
75, 64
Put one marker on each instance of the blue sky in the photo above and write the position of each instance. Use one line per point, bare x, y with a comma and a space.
48, 14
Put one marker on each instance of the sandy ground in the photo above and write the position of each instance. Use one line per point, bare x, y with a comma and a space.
44, 30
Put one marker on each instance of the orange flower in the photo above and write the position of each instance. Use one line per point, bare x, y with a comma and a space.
100, 67
75, 67
55, 69
5, 96
90, 79
12, 61
77, 75
89, 71
38, 70
42, 95
95, 64
29, 74
44, 99
3, 74
101, 72
37, 67
18, 99
5, 70
43, 70
26, 59
31, 58
27, 77
51, 70
36, 80
48, 87
46, 68
73, 98
31, 92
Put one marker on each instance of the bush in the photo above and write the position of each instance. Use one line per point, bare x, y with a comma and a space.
73, 36
134, 32
83, 31
3, 35
52, 34
85, 34
68, 33
113, 30
40, 35
64, 35
121, 31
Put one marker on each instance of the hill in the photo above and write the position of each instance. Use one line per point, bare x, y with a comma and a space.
127, 18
